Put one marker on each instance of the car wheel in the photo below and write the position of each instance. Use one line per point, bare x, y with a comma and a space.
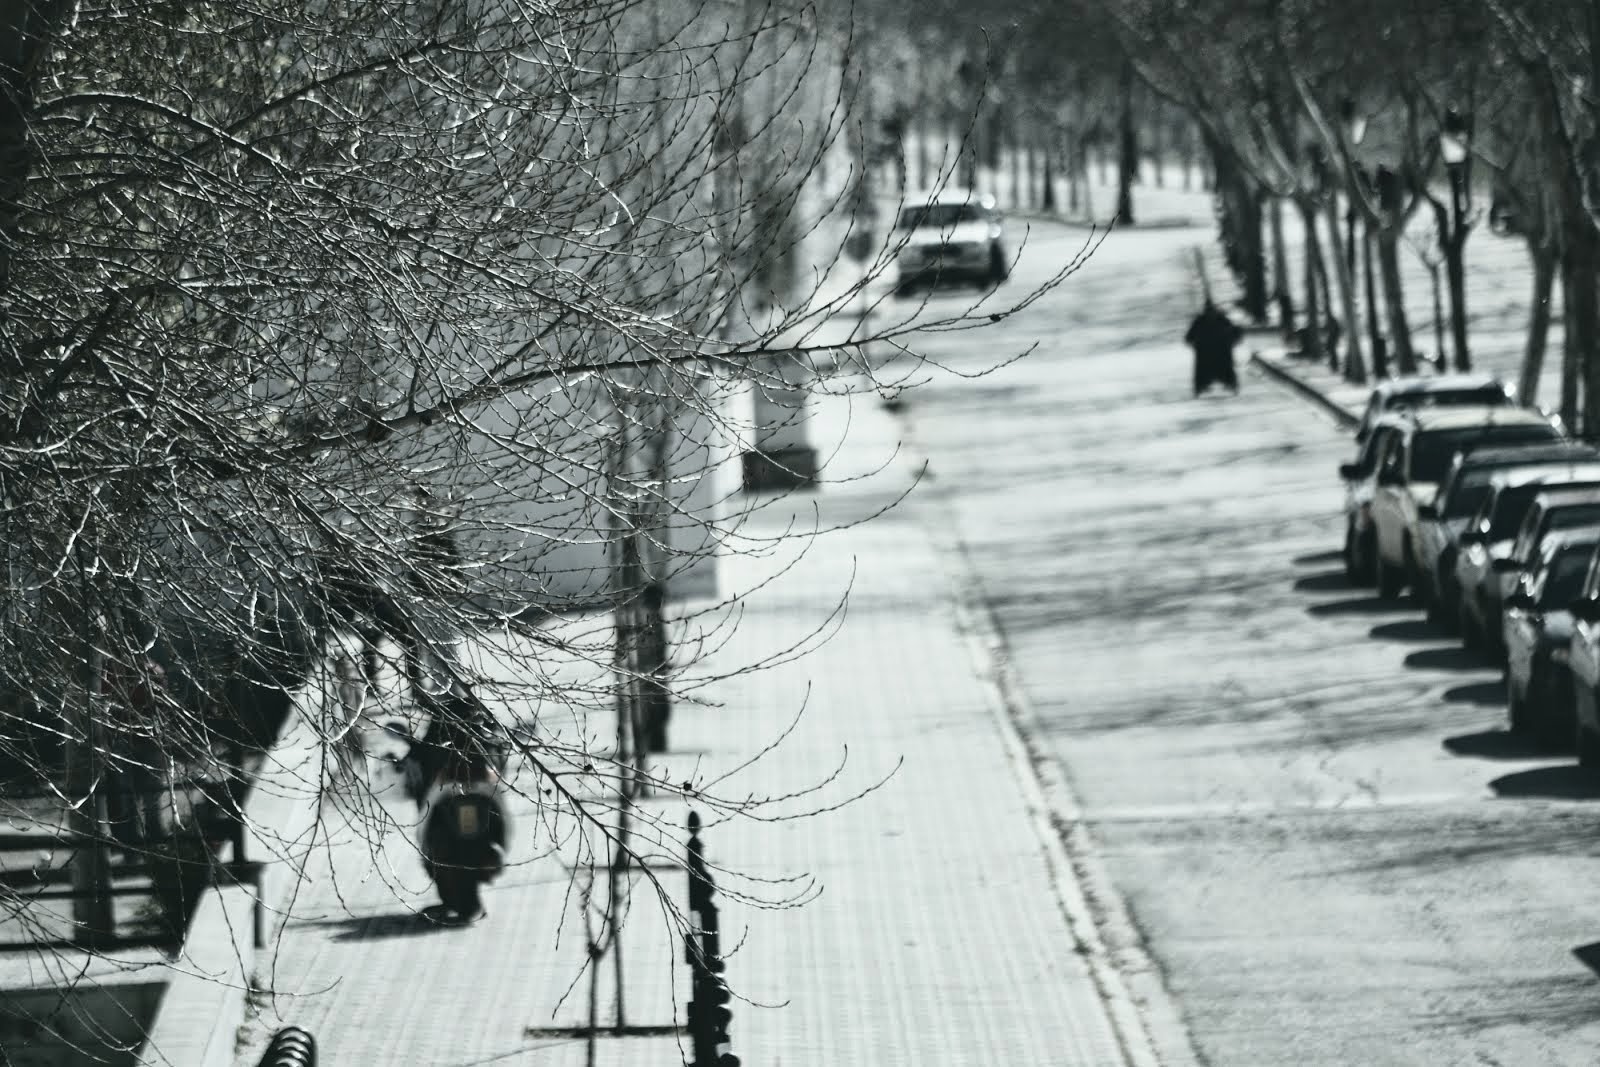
1413, 573
1391, 579
1517, 717
1471, 638
999, 268
1352, 569
1557, 721
1588, 742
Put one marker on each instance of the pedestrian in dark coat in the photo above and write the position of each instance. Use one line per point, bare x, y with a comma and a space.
1213, 336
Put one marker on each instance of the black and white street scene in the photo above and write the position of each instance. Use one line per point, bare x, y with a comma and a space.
616, 533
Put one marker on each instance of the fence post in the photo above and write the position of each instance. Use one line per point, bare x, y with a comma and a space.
709, 1013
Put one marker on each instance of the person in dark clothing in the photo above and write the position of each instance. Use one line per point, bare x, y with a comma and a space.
1213, 336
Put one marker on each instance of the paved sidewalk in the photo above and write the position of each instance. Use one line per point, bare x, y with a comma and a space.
931, 936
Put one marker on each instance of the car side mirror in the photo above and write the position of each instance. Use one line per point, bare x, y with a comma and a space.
1349, 471
1427, 511
1505, 566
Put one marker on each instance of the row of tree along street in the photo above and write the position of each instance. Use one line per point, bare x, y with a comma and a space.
1362, 121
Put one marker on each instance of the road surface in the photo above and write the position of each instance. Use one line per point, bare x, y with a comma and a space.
1304, 796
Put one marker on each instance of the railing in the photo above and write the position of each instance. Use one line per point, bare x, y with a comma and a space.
709, 1014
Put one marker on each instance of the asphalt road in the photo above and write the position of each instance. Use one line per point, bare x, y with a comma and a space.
1304, 796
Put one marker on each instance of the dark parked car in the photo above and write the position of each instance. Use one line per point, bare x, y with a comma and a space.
1491, 535
1461, 493
1537, 633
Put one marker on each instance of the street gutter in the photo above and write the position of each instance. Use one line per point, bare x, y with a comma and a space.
1284, 376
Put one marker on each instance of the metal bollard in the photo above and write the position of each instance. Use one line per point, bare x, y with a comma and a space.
708, 1014
290, 1047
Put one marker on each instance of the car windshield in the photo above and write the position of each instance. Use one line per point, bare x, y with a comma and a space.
940, 216
1433, 450
1563, 580
1485, 395
1466, 495
1510, 508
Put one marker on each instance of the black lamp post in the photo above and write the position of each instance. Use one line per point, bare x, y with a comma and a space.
1455, 148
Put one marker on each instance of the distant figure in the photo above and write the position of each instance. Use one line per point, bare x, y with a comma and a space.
1213, 335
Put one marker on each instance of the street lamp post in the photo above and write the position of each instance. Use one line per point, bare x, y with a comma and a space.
1455, 142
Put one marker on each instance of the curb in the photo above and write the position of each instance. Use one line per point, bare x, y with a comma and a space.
1340, 414
1145, 1019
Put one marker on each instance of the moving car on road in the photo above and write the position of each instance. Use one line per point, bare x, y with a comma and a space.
1413, 464
1446, 390
1463, 490
1537, 633
950, 235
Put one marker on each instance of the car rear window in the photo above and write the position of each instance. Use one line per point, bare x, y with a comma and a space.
1510, 508
1563, 580
1467, 496
941, 215
1566, 516
1432, 451
1488, 396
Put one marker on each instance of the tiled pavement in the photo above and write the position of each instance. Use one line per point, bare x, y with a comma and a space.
931, 934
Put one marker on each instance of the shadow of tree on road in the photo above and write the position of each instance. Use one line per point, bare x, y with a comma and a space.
1367, 605
1406, 630
1565, 782
1445, 659
1483, 694
1327, 582
1494, 745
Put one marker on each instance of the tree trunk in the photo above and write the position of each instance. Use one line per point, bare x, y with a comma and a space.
1545, 263
1355, 364
1128, 150
1311, 344
1281, 285
1394, 301
1581, 263
1254, 248
923, 180
1375, 338
1048, 200
1571, 353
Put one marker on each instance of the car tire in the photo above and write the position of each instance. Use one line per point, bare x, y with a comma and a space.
1391, 579
1352, 568
1587, 742
1518, 721
1413, 573
1471, 638
999, 268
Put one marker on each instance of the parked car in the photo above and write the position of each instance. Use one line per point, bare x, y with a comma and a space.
1360, 483
1461, 492
1446, 390
950, 235
1415, 461
1537, 633
1562, 508
1491, 535
1583, 666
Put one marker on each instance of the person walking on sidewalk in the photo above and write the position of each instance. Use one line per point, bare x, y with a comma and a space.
1213, 336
